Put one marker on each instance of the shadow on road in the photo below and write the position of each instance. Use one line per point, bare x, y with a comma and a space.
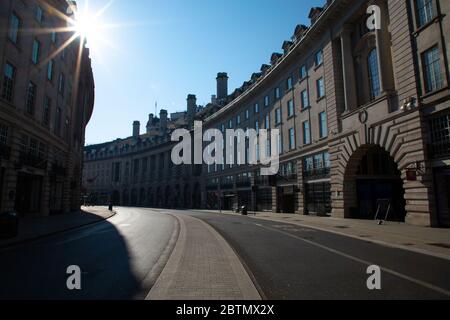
37, 270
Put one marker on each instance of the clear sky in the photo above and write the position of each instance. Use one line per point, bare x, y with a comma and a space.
166, 49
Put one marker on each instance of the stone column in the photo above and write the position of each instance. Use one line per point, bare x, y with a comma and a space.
348, 69
300, 196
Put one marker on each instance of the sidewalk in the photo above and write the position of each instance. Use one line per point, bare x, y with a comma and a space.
202, 266
431, 241
32, 228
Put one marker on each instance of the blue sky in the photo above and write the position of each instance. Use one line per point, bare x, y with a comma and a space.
167, 49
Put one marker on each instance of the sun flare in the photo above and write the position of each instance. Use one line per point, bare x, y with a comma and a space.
89, 27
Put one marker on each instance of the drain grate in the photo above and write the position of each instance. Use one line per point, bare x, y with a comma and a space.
342, 227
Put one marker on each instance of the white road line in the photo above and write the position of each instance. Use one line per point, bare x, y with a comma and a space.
368, 263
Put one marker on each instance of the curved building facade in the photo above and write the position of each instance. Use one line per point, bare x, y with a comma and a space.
361, 99
45, 106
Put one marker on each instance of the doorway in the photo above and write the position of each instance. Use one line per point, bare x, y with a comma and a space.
28, 194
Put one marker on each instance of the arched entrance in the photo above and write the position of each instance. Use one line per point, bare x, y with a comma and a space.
134, 197
142, 197
187, 197
150, 201
196, 197
168, 197
372, 177
159, 198
126, 198
115, 198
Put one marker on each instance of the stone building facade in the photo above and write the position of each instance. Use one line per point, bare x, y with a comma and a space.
363, 115
45, 106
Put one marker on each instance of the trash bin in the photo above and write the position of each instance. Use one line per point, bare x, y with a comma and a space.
244, 210
9, 224
110, 208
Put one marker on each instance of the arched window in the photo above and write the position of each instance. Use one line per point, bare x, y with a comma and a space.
374, 74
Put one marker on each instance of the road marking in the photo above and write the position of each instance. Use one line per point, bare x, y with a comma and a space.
365, 262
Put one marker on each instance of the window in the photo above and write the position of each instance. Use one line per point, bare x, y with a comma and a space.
39, 14
374, 75
247, 114
31, 97
268, 148
61, 83
280, 143
46, 111
323, 128
257, 126
425, 11
14, 27
3, 134
289, 83
303, 72
278, 116
222, 128
230, 124
54, 36
266, 101
267, 122
432, 70
320, 88
319, 58
277, 94
291, 139
50, 70
35, 52
290, 108
256, 107
238, 119
8, 82
306, 133
305, 99
58, 121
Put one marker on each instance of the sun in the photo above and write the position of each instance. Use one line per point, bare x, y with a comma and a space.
88, 26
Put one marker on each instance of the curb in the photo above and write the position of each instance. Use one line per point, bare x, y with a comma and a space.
161, 287
53, 233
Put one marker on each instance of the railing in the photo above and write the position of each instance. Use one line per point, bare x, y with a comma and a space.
58, 169
5, 152
31, 160
287, 178
243, 182
316, 173
212, 186
439, 149
262, 180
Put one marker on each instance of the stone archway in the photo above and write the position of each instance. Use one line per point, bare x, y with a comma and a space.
196, 196
115, 198
372, 175
159, 198
187, 197
125, 198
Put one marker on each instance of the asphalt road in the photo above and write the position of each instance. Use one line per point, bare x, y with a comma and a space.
116, 258
119, 260
292, 262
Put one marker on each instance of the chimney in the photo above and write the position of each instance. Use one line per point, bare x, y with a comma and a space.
163, 120
222, 85
136, 129
150, 122
191, 109
214, 99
